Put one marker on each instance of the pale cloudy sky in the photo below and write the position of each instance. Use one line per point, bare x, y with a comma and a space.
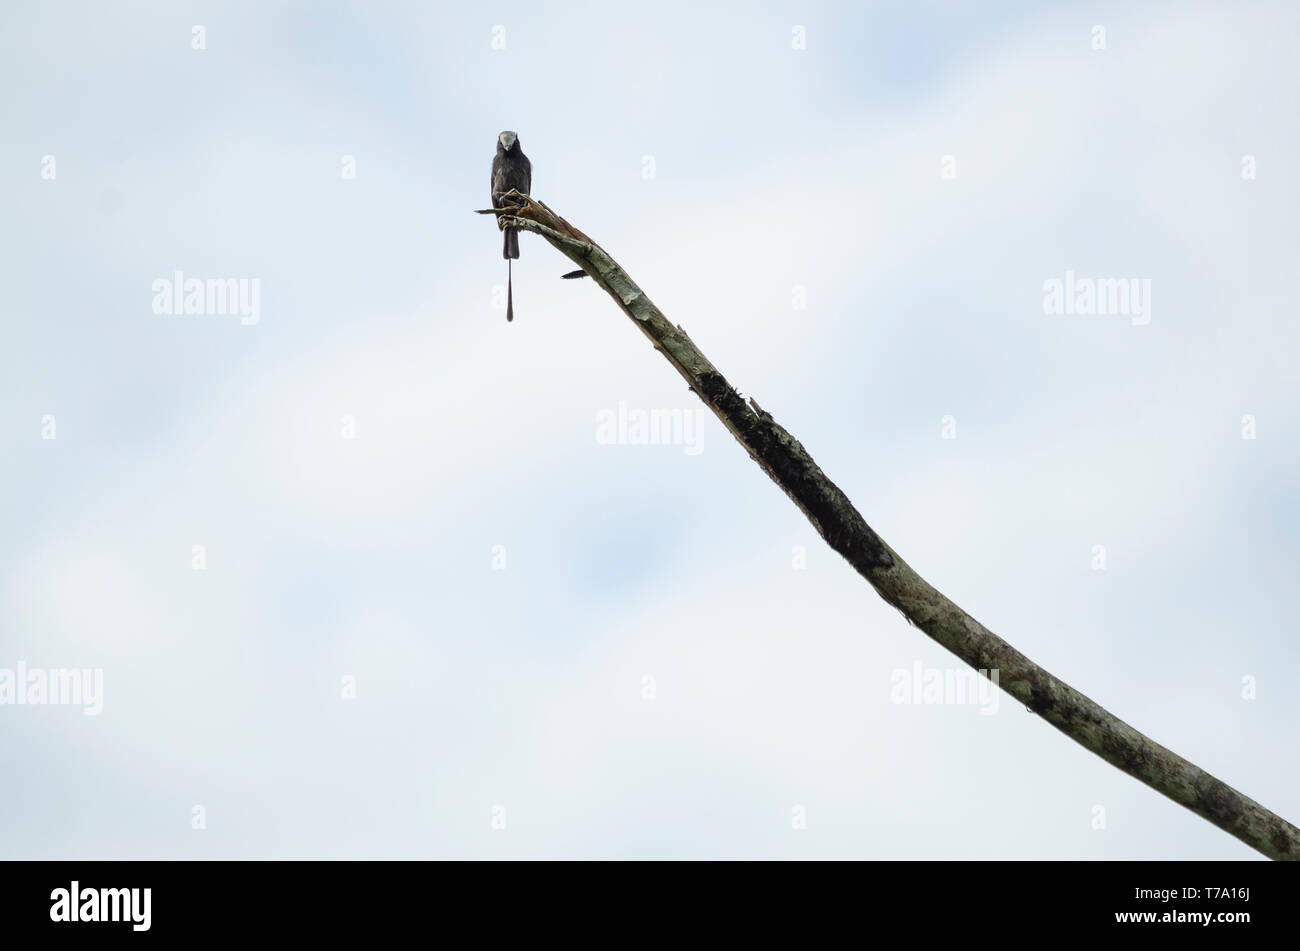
779, 174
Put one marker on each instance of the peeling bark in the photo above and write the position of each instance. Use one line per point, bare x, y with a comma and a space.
790, 466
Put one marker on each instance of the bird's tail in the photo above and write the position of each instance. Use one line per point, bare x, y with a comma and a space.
511, 249
510, 289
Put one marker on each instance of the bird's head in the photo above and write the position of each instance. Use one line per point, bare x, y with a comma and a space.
507, 140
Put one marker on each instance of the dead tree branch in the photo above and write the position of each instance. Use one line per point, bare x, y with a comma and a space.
790, 466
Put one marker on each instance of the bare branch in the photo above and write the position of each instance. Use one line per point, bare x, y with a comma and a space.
790, 466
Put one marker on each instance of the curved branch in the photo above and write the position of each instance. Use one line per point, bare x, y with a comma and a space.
790, 466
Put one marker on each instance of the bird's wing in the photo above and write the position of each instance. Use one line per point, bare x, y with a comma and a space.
498, 179
499, 185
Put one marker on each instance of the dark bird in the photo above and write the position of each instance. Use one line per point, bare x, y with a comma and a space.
510, 169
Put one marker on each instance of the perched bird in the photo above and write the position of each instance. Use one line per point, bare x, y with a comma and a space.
510, 169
